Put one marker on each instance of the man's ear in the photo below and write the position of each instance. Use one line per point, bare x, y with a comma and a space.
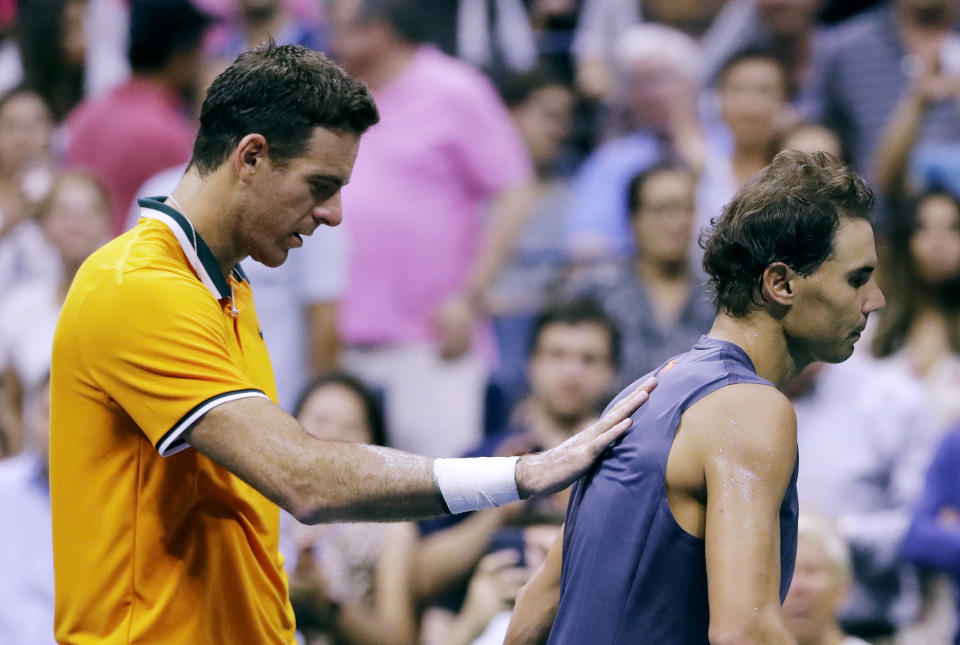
248, 155
777, 284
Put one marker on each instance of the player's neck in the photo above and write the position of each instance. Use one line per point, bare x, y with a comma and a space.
202, 203
763, 341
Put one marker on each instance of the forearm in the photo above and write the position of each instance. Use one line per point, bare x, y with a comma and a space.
315, 481
929, 543
893, 154
509, 214
361, 625
764, 627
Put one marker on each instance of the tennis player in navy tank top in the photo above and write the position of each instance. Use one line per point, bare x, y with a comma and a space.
685, 533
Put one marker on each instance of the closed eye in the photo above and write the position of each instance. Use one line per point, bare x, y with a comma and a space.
860, 277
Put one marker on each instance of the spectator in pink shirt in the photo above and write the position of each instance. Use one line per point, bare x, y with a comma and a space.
142, 126
438, 193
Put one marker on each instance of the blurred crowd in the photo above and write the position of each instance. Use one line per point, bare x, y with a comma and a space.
520, 240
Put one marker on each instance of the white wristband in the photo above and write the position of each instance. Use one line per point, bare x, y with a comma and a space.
480, 482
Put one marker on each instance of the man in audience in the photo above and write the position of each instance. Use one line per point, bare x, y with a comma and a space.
658, 299
571, 368
868, 62
656, 82
542, 108
141, 127
422, 255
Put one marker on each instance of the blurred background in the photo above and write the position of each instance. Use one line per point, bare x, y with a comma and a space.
520, 240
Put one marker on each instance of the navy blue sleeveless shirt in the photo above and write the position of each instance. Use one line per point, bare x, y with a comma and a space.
630, 573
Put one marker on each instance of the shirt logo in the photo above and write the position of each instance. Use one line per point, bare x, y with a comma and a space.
666, 368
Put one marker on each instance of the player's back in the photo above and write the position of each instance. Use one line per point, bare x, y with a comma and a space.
631, 574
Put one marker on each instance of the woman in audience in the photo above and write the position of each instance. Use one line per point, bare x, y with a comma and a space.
920, 328
821, 580
349, 583
26, 128
75, 218
658, 300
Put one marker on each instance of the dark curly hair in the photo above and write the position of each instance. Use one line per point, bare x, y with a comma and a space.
282, 92
788, 212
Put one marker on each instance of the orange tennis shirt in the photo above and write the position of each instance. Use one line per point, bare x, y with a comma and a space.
152, 541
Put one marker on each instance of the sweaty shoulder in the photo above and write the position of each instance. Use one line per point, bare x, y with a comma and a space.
744, 420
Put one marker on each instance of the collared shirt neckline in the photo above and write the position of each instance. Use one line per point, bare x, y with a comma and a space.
201, 258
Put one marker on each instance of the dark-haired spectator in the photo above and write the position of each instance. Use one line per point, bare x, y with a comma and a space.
933, 539
868, 64
25, 166
75, 221
261, 20
142, 126
821, 582
52, 48
658, 300
571, 369
412, 321
26, 558
349, 583
657, 77
542, 109
752, 93
785, 28
919, 332
808, 136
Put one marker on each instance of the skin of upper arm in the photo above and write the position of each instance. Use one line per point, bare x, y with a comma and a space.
747, 436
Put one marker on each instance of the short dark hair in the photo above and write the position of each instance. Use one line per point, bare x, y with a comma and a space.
788, 212
161, 29
516, 89
752, 54
579, 311
372, 405
636, 186
282, 92
407, 18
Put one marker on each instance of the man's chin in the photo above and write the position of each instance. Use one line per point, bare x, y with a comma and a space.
272, 261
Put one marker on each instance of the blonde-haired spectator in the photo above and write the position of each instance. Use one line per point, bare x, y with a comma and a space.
821, 581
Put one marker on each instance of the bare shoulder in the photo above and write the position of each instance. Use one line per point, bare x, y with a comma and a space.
745, 421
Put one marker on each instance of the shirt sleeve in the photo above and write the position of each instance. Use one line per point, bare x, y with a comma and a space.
156, 343
488, 147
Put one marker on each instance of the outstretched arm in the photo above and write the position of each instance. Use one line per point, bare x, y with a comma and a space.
325, 481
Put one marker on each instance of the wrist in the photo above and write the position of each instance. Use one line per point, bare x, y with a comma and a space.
477, 483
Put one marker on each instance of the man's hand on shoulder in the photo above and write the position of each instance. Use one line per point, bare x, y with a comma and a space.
555, 469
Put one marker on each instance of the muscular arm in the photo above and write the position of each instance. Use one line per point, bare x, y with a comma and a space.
537, 602
747, 434
325, 481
